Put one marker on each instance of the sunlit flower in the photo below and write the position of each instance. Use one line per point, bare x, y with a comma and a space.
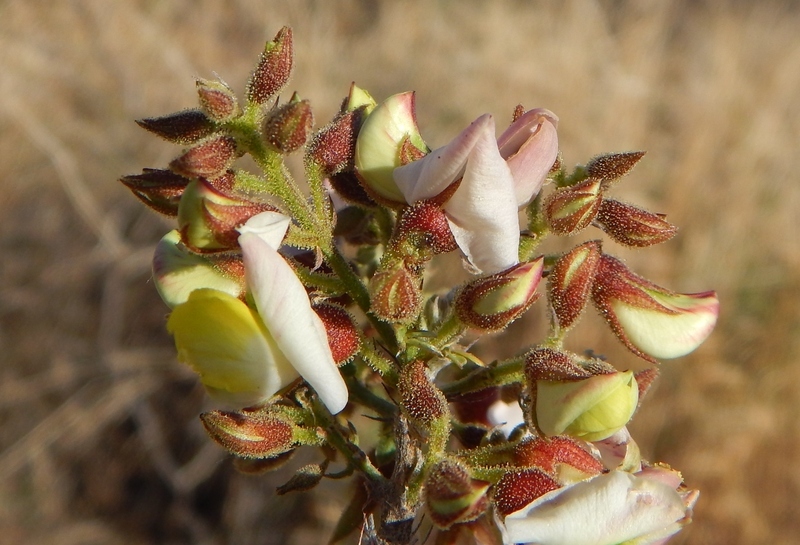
609, 509
244, 357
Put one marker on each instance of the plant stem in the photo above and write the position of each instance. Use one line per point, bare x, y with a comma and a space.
499, 374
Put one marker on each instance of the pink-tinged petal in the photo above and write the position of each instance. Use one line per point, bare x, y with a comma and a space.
269, 226
284, 307
483, 211
429, 176
530, 146
608, 509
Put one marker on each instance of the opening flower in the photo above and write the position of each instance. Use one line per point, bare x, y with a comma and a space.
244, 357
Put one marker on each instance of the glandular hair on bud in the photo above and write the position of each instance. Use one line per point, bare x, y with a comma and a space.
343, 337
422, 400
185, 127
633, 226
569, 284
288, 127
517, 489
249, 434
207, 159
613, 166
217, 100
572, 209
273, 69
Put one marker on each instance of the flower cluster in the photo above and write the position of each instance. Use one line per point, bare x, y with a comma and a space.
300, 310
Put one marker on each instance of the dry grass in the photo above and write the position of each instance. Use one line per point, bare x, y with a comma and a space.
99, 441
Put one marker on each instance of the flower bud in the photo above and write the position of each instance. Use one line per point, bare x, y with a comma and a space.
590, 409
395, 294
569, 283
273, 69
517, 489
177, 271
161, 190
422, 400
651, 321
389, 132
287, 127
633, 226
358, 98
185, 127
530, 147
343, 337
551, 364
250, 434
217, 100
612, 166
493, 302
452, 497
208, 159
427, 223
571, 209
562, 457
208, 218
305, 478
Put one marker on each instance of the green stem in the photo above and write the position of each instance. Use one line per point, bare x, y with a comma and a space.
448, 330
500, 374
377, 361
368, 398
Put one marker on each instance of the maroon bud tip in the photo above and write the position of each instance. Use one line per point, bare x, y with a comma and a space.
288, 127
185, 127
517, 489
249, 435
273, 69
422, 400
633, 226
428, 225
548, 453
343, 337
161, 190
570, 281
613, 166
217, 100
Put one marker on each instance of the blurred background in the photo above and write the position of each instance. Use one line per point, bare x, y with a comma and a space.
99, 437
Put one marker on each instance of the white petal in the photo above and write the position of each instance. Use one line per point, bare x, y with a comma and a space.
506, 415
285, 309
606, 510
429, 176
483, 211
270, 227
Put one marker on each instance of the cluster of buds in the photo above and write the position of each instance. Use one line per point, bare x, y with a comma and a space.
299, 309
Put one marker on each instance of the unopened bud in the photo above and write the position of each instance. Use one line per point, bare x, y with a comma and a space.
287, 128
396, 294
390, 126
217, 100
208, 159
333, 147
343, 337
612, 166
185, 127
562, 457
208, 218
651, 321
452, 496
517, 489
422, 400
177, 271
257, 434
590, 409
569, 283
573, 208
551, 364
159, 189
493, 302
633, 226
305, 478
274, 68
427, 224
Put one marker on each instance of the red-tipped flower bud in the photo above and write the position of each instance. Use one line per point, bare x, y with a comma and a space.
161, 190
186, 127
274, 68
287, 128
612, 166
633, 226
562, 457
396, 294
517, 489
427, 224
452, 497
493, 302
573, 208
343, 337
217, 100
569, 283
257, 434
208, 218
651, 321
422, 400
208, 159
